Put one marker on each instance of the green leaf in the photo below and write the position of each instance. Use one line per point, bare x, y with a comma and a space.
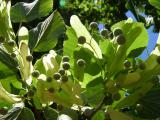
150, 104
155, 3
116, 115
25, 12
94, 93
19, 114
133, 98
46, 33
81, 30
71, 41
71, 113
50, 114
8, 60
98, 116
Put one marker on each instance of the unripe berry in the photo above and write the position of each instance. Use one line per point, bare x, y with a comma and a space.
81, 62
30, 93
121, 39
2, 39
56, 76
61, 71
116, 96
64, 78
108, 99
66, 65
158, 59
127, 64
35, 73
49, 79
65, 59
81, 40
87, 113
142, 66
11, 43
13, 55
104, 32
93, 25
117, 31
29, 58
51, 90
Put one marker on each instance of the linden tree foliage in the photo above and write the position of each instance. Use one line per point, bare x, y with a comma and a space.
96, 75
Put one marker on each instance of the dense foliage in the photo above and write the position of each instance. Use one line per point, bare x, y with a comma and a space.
96, 75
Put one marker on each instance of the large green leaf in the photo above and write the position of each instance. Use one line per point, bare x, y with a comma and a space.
99, 115
81, 30
155, 3
50, 114
71, 41
45, 36
19, 114
25, 12
150, 104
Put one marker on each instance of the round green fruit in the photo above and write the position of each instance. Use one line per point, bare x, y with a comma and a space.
64, 78
93, 25
127, 64
11, 43
81, 40
35, 73
87, 113
65, 59
2, 39
49, 79
30, 93
51, 90
61, 71
142, 66
81, 62
117, 31
13, 55
29, 58
66, 66
116, 96
104, 32
56, 76
158, 59
121, 39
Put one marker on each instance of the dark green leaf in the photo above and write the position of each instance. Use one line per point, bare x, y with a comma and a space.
45, 36
25, 12
99, 116
155, 3
50, 114
71, 113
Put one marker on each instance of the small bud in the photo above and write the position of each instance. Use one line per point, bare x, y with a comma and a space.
61, 71
81, 40
93, 25
65, 59
120, 39
81, 62
11, 43
64, 78
56, 76
35, 73
117, 31
66, 65
49, 79
29, 58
